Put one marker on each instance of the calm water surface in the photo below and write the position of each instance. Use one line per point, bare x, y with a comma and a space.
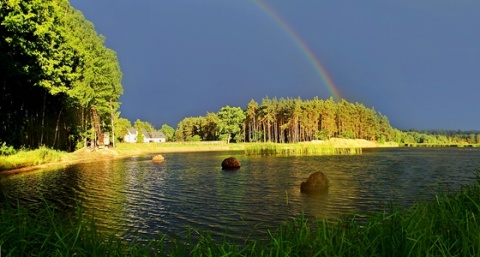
135, 197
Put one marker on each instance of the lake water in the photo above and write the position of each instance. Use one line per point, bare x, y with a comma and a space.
136, 197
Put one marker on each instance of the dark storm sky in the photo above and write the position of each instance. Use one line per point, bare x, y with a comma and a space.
416, 61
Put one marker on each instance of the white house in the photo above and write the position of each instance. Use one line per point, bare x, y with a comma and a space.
148, 137
131, 136
153, 137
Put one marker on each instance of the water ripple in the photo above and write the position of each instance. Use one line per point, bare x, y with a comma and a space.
137, 198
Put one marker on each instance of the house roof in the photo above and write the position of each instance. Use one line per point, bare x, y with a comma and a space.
157, 134
132, 130
145, 133
154, 134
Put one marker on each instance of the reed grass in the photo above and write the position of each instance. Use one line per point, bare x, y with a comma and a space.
44, 155
299, 149
448, 225
25, 158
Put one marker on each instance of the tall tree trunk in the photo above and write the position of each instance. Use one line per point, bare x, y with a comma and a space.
113, 123
56, 129
84, 128
264, 132
255, 129
43, 118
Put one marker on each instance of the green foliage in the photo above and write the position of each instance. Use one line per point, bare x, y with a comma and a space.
139, 125
54, 68
121, 128
439, 138
322, 135
225, 137
79, 145
230, 120
382, 139
140, 137
25, 158
294, 120
205, 127
347, 135
168, 131
250, 119
195, 138
6, 150
289, 120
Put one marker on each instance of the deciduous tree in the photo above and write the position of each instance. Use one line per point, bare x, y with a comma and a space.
230, 120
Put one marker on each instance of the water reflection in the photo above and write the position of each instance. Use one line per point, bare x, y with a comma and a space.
137, 197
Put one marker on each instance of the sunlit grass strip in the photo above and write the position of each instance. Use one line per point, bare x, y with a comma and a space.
448, 225
440, 145
38, 156
44, 155
173, 146
299, 149
134, 146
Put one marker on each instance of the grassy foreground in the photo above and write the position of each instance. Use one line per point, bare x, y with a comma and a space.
448, 225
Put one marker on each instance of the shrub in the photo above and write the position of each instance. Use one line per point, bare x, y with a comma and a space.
6, 150
195, 138
347, 135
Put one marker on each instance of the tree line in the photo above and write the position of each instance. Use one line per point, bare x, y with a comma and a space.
440, 137
324, 117
54, 70
288, 120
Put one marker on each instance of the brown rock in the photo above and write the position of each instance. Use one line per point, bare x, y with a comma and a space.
230, 164
158, 158
316, 183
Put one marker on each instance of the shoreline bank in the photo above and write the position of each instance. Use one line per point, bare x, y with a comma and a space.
124, 150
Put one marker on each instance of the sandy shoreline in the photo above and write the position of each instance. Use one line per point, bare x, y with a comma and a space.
85, 155
129, 150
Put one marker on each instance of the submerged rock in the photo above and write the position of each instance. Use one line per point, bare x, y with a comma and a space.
230, 164
316, 183
158, 158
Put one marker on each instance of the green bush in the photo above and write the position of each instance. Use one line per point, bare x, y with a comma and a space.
322, 135
195, 138
347, 135
6, 150
25, 158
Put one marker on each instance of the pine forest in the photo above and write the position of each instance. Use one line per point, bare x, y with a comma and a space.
289, 120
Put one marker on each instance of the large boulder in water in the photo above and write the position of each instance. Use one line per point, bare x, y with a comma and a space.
158, 158
230, 164
316, 183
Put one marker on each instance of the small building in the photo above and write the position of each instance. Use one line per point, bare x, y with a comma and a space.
131, 136
148, 137
153, 137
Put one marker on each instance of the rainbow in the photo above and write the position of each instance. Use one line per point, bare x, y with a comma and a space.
322, 73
